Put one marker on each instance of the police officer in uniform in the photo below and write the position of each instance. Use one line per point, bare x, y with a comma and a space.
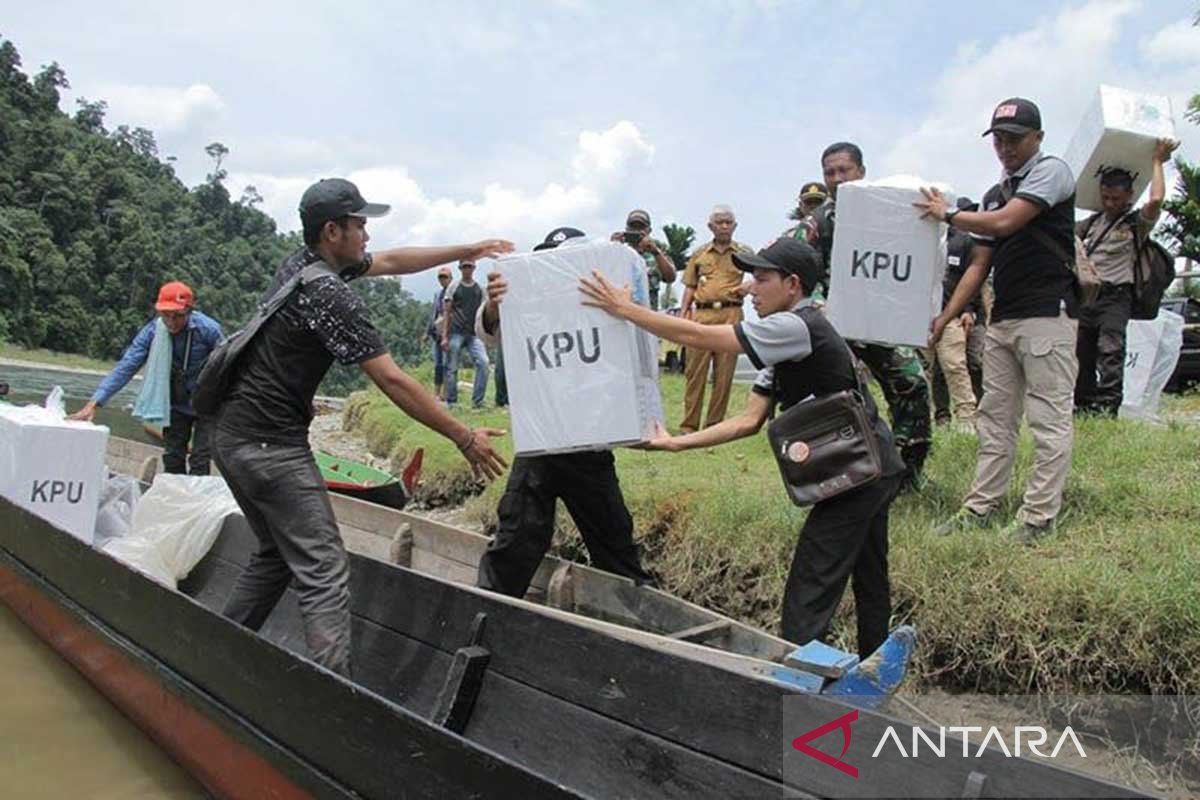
898, 369
800, 354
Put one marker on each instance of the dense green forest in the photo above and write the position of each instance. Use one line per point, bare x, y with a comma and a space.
93, 221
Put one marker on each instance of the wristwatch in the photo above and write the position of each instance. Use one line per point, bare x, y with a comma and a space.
950, 214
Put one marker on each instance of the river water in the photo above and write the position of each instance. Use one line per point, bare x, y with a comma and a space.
59, 737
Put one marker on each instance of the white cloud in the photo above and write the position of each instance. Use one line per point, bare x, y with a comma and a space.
163, 109
1044, 63
597, 166
1179, 41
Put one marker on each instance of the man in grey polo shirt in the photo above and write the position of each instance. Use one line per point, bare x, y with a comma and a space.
1024, 234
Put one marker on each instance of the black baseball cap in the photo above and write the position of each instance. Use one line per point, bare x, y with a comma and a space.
557, 236
334, 198
638, 216
787, 255
1016, 115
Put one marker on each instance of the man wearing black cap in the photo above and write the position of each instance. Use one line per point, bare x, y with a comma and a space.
897, 369
585, 481
660, 268
1024, 235
800, 355
261, 439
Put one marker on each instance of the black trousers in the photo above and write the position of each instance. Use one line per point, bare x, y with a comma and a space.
844, 537
1100, 347
185, 429
280, 491
587, 484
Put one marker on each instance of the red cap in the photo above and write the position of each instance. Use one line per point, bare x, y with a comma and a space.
174, 296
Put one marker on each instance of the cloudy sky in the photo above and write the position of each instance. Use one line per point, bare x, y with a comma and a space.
476, 119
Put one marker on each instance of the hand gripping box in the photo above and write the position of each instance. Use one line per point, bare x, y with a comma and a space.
52, 467
885, 281
578, 378
1119, 129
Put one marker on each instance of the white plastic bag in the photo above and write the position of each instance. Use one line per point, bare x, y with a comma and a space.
1151, 352
118, 498
174, 525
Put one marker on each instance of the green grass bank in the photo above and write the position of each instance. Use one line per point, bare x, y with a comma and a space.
1111, 602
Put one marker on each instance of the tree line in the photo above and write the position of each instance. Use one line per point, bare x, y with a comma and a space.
93, 221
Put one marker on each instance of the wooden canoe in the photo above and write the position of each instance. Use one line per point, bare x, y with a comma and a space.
457, 692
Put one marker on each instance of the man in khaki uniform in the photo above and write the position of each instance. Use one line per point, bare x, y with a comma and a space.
712, 295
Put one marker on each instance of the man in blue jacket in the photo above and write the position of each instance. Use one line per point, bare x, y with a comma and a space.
193, 336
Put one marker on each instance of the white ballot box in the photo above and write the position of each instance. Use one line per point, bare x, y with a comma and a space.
578, 378
1152, 350
52, 467
1119, 129
885, 271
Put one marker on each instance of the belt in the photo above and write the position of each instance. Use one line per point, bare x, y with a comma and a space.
720, 304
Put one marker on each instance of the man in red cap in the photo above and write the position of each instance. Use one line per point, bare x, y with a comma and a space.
193, 336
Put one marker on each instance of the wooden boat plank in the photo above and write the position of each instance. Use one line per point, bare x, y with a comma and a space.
251, 675
433, 564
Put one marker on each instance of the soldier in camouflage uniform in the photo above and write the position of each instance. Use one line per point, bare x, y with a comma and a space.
660, 268
897, 369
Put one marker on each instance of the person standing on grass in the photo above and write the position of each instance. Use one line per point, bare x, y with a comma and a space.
434, 332
1025, 235
462, 300
261, 440
801, 355
1113, 239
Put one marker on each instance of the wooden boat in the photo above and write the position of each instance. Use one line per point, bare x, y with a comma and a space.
457, 692
353, 478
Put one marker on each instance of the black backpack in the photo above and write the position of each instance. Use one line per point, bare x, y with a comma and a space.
1153, 273
1153, 268
216, 377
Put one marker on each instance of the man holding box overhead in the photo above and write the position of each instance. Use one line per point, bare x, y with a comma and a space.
1025, 234
1113, 238
585, 481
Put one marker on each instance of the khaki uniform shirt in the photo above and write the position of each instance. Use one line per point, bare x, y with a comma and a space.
712, 274
1113, 257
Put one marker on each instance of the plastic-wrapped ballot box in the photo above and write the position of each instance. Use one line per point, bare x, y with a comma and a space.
1152, 350
52, 467
1119, 129
578, 378
885, 272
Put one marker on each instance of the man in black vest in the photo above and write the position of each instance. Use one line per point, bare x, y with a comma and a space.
1025, 234
800, 355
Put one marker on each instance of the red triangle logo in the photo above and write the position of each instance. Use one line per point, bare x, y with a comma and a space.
843, 723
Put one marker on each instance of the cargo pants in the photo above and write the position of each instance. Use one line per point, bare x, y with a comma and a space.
283, 497
587, 483
902, 378
1100, 349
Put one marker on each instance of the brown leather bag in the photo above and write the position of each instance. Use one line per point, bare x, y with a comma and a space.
826, 445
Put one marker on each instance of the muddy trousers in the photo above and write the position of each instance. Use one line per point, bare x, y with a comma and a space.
1100, 348
187, 433
587, 484
282, 495
845, 537
902, 379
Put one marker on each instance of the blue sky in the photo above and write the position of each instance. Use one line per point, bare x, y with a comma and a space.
508, 119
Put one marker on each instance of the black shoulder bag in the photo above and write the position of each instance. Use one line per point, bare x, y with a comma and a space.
825, 446
218, 372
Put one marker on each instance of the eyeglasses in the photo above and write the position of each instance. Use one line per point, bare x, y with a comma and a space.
173, 316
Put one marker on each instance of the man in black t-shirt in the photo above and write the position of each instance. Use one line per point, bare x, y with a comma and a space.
261, 439
1025, 235
463, 299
